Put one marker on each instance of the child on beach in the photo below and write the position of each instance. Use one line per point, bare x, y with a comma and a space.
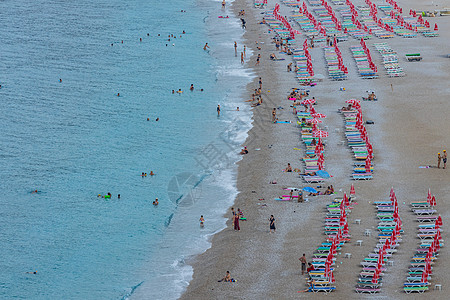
444, 159
303, 261
439, 160
202, 221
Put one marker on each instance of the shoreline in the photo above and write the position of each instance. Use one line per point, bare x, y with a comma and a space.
266, 266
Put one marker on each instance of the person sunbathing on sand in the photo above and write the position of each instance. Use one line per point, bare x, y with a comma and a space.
289, 168
348, 108
272, 56
328, 191
227, 278
372, 97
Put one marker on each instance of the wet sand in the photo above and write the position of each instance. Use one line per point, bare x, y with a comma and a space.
411, 126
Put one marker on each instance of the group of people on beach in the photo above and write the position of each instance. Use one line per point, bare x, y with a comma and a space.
442, 157
236, 216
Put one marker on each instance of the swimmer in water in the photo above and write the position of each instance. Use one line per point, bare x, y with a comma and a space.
173, 91
237, 109
140, 39
151, 173
35, 272
34, 192
155, 203
60, 80
201, 90
206, 46
192, 87
157, 119
118, 94
118, 196
148, 119
179, 91
202, 221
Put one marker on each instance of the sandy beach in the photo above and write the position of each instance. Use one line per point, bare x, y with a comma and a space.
410, 127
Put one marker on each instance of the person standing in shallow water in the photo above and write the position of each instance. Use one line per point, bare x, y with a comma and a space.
272, 223
218, 110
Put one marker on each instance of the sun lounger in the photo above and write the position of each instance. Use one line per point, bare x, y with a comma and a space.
326, 289
413, 57
361, 290
416, 289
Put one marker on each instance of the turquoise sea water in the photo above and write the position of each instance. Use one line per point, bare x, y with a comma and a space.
74, 139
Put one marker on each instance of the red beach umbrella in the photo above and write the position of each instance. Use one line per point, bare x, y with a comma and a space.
433, 201
424, 278
352, 190
439, 220
345, 200
315, 121
317, 115
368, 165
308, 101
320, 133
353, 102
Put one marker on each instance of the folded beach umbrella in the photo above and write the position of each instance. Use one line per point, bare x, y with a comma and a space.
433, 201
424, 278
439, 220
352, 190
345, 200
368, 165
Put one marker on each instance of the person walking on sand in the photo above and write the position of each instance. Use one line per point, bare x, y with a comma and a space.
272, 223
444, 159
218, 110
257, 59
242, 57
274, 115
244, 50
235, 48
260, 83
303, 261
223, 4
439, 160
